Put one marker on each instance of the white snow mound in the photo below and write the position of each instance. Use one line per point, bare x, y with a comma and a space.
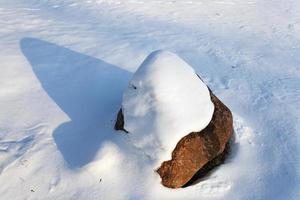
165, 101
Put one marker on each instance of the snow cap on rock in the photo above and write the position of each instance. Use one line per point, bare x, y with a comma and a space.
165, 100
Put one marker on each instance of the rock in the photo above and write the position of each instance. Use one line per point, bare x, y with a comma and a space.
198, 152
169, 112
197, 149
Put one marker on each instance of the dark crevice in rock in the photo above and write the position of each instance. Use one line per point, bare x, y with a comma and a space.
119, 125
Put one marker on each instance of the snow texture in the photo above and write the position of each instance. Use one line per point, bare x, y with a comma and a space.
165, 101
64, 65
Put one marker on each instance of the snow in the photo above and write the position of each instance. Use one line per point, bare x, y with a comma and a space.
164, 102
65, 64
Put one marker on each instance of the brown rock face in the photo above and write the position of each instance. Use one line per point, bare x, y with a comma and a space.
197, 149
198, 152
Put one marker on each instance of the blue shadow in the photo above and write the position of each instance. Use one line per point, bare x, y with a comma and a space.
87, 89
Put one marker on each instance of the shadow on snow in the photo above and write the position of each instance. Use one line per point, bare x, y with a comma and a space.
87, 89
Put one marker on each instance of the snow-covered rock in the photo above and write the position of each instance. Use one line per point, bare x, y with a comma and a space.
173, 117
165, 100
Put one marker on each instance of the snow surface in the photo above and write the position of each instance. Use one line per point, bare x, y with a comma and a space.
64, 65
165, 101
